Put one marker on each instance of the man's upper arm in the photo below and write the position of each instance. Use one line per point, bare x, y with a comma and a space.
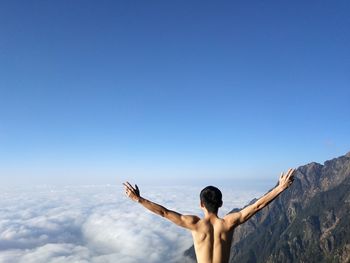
186, 221
237, 218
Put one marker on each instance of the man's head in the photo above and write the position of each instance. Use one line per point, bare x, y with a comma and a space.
211, 198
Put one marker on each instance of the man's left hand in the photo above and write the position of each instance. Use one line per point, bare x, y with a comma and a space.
132, 192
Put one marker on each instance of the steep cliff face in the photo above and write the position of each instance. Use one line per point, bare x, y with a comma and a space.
310, 222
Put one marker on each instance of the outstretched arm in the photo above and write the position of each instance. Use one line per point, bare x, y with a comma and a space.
242, 216
186, 221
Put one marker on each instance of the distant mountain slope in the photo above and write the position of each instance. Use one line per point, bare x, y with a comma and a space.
310, 222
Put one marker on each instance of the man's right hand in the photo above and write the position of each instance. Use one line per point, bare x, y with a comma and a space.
131, 192
287, 179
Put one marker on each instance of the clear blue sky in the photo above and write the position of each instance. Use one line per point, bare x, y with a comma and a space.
101, 91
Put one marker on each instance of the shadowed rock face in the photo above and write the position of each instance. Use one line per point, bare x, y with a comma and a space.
310, 222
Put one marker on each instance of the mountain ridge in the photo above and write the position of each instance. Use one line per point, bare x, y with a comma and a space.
307, 223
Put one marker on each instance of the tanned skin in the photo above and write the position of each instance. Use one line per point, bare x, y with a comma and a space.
212, 235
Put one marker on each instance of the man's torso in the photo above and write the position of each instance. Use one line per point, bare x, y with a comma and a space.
212, 240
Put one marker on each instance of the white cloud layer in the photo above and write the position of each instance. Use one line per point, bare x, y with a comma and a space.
96, 224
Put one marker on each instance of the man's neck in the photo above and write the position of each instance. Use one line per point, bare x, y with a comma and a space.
210, 215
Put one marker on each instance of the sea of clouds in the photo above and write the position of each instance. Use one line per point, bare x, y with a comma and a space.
97, 224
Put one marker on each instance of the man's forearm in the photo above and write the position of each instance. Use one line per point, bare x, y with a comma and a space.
250, 210
153, 207
268, 198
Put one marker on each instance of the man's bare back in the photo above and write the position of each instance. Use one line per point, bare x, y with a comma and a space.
212, 240
212, 236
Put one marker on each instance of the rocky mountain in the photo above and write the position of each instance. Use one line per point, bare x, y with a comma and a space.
309, 222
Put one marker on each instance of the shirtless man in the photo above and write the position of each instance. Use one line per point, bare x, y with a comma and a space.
212, 235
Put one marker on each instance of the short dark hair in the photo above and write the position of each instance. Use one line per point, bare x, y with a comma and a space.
211, 198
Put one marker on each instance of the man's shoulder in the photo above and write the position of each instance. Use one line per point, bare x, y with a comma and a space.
232, 219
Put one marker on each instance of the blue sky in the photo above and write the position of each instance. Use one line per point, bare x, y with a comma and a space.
163, 91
